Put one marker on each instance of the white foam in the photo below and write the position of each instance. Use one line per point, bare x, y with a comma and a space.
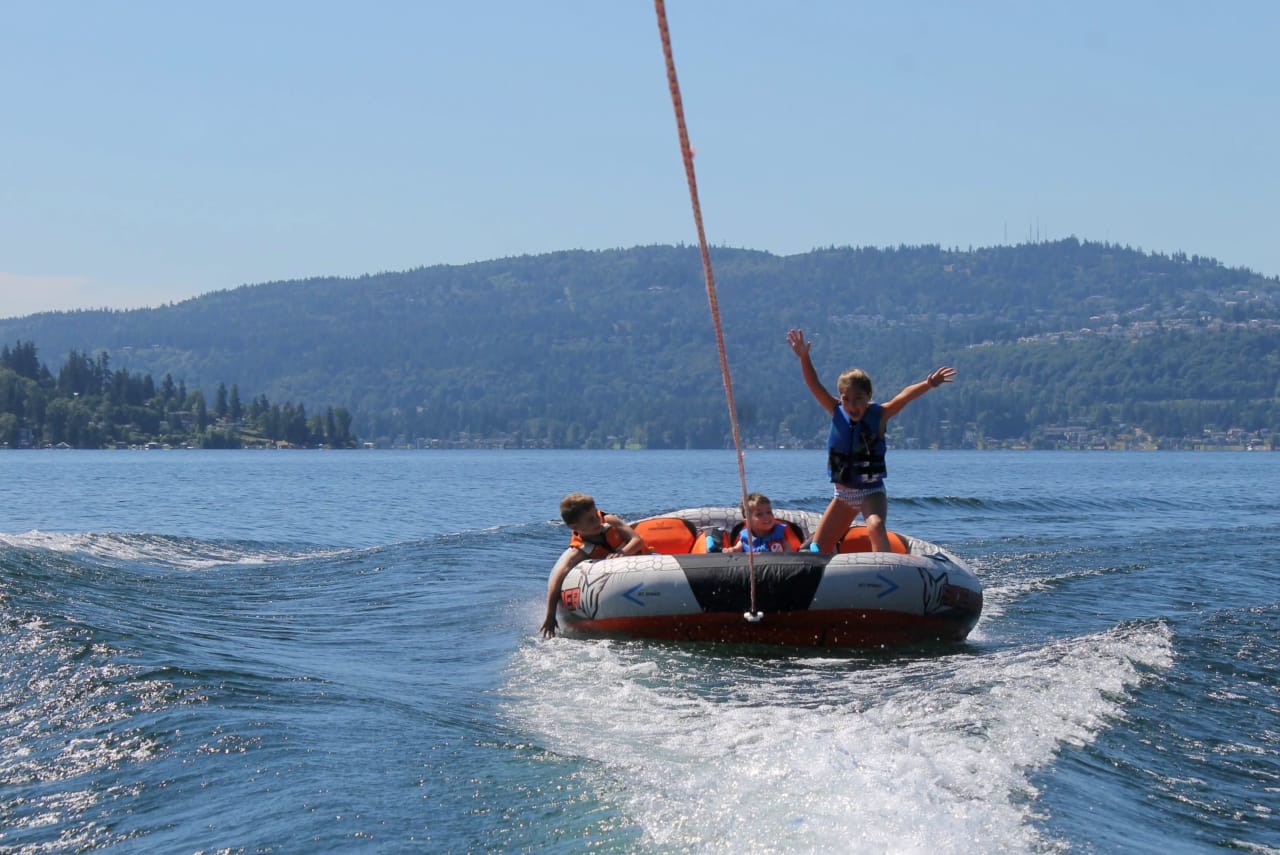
828, 755
1002, 588
154, 549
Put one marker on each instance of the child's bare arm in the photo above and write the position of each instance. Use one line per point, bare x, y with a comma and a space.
945, 374
801, 347
568, 560
635, 543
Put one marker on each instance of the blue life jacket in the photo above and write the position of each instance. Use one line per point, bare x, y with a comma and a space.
775, 541
855, 451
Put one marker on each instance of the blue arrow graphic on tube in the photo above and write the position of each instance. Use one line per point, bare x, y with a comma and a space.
893, 586
632, 591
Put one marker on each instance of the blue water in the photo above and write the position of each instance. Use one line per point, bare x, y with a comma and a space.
336, 651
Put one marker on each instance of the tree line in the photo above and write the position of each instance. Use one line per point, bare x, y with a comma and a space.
87, 404
599, 348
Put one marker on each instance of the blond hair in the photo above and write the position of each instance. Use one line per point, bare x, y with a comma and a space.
754, 500
854, 377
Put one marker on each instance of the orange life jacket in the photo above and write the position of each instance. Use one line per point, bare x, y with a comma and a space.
601, 545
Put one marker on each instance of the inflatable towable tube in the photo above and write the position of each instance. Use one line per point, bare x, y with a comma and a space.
916, 594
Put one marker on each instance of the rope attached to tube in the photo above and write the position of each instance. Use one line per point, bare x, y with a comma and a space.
686, 152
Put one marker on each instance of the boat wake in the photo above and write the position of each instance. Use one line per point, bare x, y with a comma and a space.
820, 754
160, 550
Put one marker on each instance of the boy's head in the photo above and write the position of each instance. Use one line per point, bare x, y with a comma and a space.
758, 512
854, 378
854, 387
576, 509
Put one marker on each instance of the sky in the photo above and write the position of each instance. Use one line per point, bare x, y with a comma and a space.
154, 151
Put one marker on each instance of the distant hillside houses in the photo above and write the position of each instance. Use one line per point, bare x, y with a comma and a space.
1056, 344
1071, 437
1142, 329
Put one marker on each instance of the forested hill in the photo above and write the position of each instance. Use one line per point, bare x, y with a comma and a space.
593, 348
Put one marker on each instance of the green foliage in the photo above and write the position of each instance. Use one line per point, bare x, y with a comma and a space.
91, 406
602, 349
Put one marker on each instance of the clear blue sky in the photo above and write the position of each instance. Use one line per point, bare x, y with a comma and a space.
152, 151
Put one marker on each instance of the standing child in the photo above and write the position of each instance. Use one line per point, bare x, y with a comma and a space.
595, 535
763, 532
856, 446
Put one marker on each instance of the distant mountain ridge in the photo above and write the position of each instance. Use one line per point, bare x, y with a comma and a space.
596, 347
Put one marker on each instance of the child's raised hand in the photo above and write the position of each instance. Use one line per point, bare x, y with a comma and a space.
795, 338
945, 374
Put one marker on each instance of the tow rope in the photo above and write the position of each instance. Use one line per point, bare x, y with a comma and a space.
686, 152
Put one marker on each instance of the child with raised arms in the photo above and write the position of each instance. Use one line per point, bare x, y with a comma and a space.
856, 446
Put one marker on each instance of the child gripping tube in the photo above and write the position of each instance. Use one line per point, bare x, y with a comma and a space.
594, 535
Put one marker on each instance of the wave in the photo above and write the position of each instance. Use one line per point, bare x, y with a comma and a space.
71, 710
1008, 589
1038, 502
156, 549
1048, 503
814, 754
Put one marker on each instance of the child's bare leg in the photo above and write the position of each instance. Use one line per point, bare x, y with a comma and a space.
836, 519
875, 508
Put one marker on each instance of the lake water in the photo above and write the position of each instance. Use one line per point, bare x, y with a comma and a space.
337, 651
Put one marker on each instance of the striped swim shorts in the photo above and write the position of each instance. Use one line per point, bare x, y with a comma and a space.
853, 496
